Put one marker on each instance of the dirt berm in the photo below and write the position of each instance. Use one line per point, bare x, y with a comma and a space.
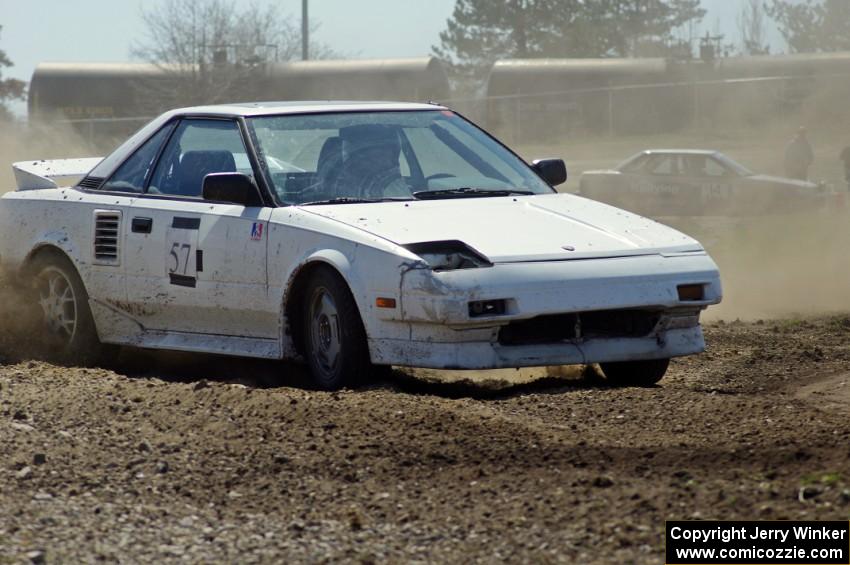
199, 459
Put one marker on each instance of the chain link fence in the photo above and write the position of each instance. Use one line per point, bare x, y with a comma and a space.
655, 108
529, 116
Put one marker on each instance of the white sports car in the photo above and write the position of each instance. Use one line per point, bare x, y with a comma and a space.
348, 235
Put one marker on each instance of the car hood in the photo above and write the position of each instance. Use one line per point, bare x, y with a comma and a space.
768, 179
515, 229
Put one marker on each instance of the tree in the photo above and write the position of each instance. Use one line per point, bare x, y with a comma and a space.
483, 31
213, 51
10, 88
751, 25
813, 25
628, 28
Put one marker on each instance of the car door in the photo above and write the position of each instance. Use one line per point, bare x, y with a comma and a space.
112, 202
627, 188
202, 265
716, 186
659, 186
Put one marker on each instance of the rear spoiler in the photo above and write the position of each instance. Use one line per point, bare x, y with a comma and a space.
35, 175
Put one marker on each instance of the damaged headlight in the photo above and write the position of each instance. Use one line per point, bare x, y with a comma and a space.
449, 255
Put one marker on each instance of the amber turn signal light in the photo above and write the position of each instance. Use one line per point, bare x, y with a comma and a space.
691, 292
385, 302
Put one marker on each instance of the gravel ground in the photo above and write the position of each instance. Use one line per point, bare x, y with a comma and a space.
194, 459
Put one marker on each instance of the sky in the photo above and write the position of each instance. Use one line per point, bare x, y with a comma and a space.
105, 30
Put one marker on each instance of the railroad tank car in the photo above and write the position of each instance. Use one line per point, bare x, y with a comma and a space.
553, 97
100, 97
820, 80
77, 91
413, 79
801, 64
526, 99
101, 100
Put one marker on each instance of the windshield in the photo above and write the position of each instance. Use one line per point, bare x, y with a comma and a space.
377, 156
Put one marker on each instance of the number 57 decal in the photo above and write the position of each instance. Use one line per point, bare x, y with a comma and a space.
181, 255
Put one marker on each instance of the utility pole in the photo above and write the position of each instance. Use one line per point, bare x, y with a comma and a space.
305, 31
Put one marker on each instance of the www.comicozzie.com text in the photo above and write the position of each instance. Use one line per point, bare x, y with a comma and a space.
726, 535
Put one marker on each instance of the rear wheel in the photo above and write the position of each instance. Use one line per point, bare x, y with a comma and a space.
335, 340
66, 325
635, 373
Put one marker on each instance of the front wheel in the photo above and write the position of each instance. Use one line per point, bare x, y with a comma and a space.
335, 344
635, 373
67, 327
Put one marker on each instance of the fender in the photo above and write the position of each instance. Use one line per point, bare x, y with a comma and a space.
331, 257
362, 273
55, 239
364, 283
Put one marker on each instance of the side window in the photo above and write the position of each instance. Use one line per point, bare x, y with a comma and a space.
663, 165
131, 176
716, 169
694, 165
198, 147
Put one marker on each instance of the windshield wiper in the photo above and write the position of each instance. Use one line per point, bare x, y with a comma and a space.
354, 200
467, 192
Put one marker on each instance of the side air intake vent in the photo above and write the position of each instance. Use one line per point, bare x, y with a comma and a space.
107, 235
90, 182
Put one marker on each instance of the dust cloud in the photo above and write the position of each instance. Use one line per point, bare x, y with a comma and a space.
771, 266
779, 266
21, 142
19, 323
19, 314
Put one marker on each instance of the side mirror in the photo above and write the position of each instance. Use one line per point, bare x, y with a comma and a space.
553, 171
231, 188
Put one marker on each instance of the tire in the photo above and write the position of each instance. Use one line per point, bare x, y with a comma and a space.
66, 324
635, 373
334, 338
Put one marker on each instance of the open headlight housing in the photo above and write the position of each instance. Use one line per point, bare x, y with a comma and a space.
449, 255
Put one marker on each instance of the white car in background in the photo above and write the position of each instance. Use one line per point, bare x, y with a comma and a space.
348, 235
695, 182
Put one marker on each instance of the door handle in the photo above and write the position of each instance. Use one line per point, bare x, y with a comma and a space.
142, 225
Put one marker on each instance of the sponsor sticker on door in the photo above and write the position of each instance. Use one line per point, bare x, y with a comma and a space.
257, 231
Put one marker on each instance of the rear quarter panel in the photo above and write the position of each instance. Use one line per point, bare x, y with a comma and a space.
756, 196
62, 218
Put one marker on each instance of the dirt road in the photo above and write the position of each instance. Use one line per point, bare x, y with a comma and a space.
199, 459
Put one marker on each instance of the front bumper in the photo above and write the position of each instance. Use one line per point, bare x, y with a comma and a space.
434, 326
492, 355
540, 288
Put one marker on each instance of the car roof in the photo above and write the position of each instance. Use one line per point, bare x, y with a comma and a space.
248, 109
679, 152
647, 152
